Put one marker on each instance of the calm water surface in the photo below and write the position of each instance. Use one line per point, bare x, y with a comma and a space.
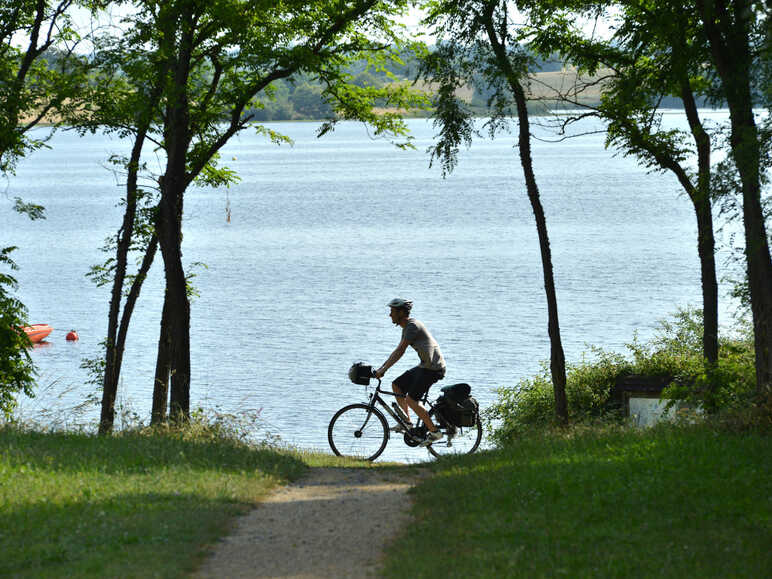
323, 234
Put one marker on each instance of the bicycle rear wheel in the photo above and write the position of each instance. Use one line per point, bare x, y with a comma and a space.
358, 431
457, 439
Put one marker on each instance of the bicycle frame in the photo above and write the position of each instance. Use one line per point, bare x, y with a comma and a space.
375, 397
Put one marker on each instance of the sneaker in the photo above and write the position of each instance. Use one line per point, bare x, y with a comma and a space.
431, 437
400, 428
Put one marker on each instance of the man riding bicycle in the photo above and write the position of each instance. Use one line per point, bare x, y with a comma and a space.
414, 383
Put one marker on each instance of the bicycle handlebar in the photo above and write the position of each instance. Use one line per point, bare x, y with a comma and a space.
372, 375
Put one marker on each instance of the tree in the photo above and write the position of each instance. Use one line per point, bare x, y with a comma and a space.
211, 62
124, 91
477, 40
17, 372
719, 49
739, 36
39, 76
38, 79
654, 53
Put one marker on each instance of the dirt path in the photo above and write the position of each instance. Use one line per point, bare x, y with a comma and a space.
334, 522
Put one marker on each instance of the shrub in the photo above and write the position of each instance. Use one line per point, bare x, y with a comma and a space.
531, 404
675, 351
728, 387
17, 372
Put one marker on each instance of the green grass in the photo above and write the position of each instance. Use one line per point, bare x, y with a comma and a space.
667, 502
134, 505
670, 502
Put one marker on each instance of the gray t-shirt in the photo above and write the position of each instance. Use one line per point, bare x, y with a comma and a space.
416, 334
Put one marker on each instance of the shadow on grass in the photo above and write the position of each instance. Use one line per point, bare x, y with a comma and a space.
127, 535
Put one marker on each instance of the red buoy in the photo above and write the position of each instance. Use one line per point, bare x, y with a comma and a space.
72, 336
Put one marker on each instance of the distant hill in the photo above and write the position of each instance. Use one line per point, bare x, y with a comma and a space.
548, 86
301, 97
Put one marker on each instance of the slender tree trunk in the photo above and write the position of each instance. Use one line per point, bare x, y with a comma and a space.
705, 238
176, 304
179, 329
727, 28
759, 272
116, 335
114, 353
557, 356
177, 137
700, 198
706, 250
699, 195
162, 370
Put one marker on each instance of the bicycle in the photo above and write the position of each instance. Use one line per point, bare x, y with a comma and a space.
361, 430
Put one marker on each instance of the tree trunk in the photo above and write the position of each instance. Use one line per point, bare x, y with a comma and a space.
705, 238
727, 29
162, 369
176, 304
557, 356
706, 250
700, 197
759, 271
177, 138
114, 352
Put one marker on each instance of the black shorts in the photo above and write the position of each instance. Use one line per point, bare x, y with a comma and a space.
417, 381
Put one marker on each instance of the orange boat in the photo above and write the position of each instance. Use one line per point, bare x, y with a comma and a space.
37, 332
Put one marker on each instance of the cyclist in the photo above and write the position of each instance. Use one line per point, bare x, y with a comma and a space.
414, 383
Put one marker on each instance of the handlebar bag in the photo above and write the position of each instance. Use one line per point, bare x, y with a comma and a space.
360, 373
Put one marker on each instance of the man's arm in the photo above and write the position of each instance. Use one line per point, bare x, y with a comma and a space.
395, 355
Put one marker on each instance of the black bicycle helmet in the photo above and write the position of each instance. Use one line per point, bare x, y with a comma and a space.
401, 304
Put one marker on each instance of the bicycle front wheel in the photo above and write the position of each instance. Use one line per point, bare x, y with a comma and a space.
358, 431
457, 439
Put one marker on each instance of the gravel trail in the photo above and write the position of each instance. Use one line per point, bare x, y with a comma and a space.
334, 522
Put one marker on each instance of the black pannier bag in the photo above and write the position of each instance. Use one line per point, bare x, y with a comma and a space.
360, 373
457, 406
457, 392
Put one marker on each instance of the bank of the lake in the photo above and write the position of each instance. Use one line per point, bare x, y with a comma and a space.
670, 501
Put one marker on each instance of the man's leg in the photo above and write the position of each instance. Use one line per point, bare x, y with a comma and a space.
401, 400
421, 412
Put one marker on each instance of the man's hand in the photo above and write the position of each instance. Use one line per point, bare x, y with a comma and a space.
379, 373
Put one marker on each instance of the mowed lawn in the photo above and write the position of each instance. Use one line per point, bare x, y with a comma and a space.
667, 502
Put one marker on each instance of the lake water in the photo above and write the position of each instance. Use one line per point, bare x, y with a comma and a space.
322, 235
